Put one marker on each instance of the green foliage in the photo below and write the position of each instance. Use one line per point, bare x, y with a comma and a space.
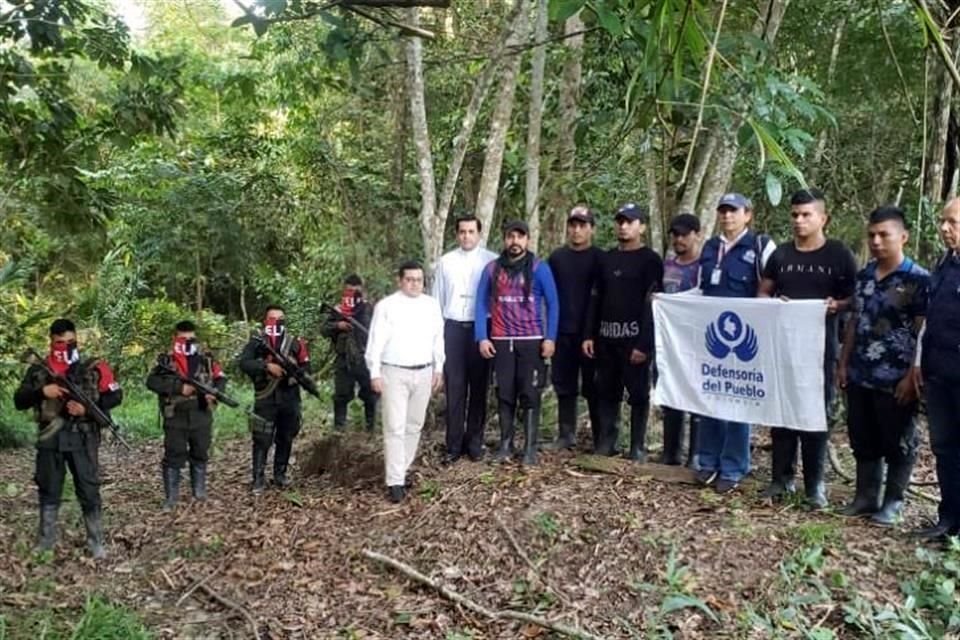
105, 621
99, 620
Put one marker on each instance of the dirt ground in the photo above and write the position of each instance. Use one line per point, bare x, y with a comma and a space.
580, 548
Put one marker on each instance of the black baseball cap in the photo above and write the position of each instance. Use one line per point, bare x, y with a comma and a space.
516, 225
632, 211
581, 214
684, 223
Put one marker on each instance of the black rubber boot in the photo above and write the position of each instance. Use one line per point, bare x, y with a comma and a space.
609, 414
48, 526
280, 477
638, 433
94, 526
867, 498
566, 424
198, 481
259, 468
370, 415
339, 415
814, 456
898, 479
693, 442
672, 436
171, 487
782, 465
507, 414
531, 432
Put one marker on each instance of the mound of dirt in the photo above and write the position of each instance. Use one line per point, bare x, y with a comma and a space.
346, 459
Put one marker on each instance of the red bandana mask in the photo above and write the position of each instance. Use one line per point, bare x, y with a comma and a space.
183, 349
274, 329
349, 301
62, 356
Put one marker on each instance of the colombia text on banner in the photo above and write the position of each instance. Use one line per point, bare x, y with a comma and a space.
742, 359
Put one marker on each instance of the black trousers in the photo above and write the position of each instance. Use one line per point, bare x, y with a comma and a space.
812, 444
520, 372
50, 471
186, 443
346, 383
879, 427
282, 425
572, 372
615, 373
465, 377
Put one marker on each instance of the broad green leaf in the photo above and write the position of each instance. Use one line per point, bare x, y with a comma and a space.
560, 10
774, 189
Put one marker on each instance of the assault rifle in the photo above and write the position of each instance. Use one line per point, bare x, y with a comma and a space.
291, 368
326, 308
206, 389
101, 417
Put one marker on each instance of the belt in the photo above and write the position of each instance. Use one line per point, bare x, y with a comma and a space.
460, 323
410, 367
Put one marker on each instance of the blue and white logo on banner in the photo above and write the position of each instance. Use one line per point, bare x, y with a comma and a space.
730, 334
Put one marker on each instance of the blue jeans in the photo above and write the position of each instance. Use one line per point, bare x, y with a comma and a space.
943, 415
724, 447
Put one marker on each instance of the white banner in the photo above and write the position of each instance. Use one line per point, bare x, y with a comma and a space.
750, 360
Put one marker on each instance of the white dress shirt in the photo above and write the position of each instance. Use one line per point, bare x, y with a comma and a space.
455, 281
405, 331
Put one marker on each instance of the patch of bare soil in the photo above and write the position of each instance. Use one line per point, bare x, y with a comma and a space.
576, 547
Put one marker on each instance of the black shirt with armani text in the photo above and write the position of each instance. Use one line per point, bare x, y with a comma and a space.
827, 272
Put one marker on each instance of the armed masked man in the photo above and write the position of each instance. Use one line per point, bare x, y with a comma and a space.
347, 326
276, 394
187, 412
69, 437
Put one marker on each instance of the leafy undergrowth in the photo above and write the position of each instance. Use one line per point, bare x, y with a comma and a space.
639, 554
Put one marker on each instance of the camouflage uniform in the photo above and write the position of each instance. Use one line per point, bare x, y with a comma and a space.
65, 441
187, 422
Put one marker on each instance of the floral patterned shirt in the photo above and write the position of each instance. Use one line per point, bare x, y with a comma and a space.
887, 321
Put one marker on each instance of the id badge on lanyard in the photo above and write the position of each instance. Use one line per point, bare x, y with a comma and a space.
717, 272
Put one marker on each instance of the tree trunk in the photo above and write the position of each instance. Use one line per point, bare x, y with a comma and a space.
431, 228
481, 87
537, 68
831, 72
725, 148
570, 82
499, 125
650, 160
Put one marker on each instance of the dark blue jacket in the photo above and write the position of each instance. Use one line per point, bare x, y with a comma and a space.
739, 271
941, 338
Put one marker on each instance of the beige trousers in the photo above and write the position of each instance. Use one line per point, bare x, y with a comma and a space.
406, 394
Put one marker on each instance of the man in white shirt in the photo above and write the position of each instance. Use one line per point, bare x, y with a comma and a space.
405, 356
465, 373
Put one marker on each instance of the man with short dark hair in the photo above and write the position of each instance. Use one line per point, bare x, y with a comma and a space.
465, 372
681, 272
620, 336
519, 294
875, 367
811, 267
68, 436
940, 368
349, 342
276, 395
405, 356
574, 268
187, 415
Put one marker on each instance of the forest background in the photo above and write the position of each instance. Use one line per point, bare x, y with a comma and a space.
170, 159
219, 156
